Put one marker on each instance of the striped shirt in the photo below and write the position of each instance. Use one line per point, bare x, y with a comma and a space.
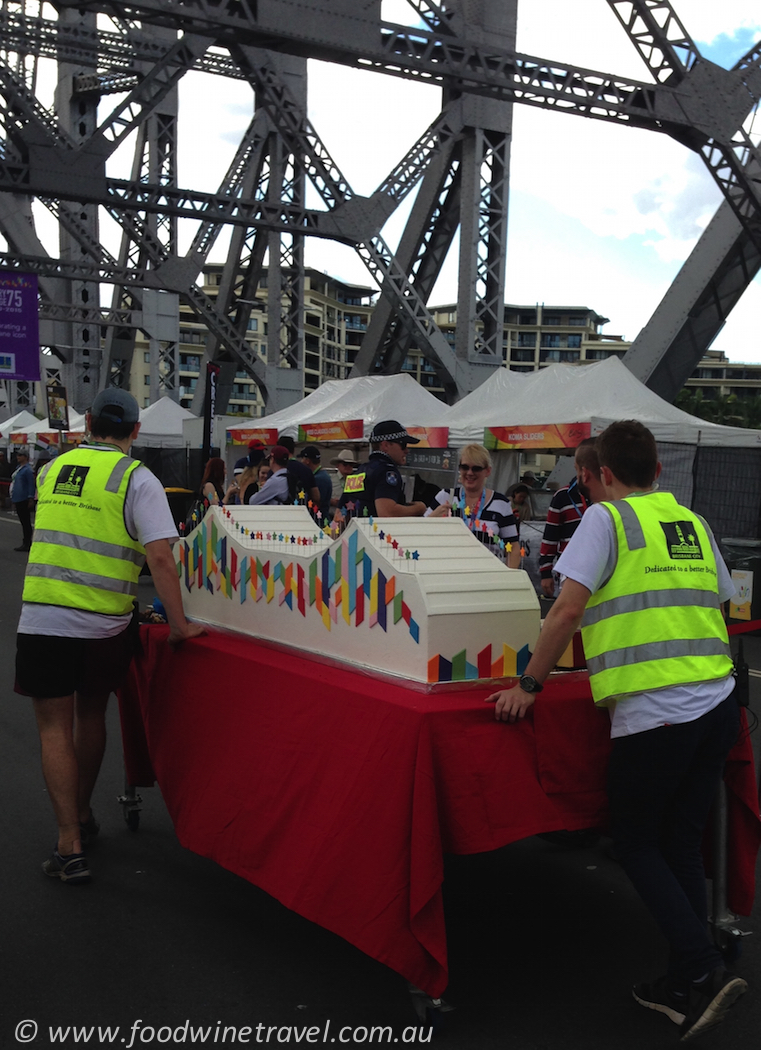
496, 514
563, 517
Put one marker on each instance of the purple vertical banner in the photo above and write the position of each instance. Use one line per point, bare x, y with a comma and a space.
19, 326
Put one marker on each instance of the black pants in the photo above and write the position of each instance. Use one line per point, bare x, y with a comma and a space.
661, 785
24, 511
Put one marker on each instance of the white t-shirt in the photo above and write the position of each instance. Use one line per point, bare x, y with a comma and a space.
590, 559
148, 518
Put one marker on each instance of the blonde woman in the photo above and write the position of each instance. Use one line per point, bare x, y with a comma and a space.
246, 478
482, 509
252, 479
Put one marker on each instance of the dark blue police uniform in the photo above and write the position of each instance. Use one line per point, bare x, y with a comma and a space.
379, 478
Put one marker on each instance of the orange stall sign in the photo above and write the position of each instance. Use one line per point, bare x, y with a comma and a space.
268, 436
430, 437
539, 435
341, 430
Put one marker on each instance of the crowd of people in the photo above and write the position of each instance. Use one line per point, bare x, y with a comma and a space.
376, 487
641, 575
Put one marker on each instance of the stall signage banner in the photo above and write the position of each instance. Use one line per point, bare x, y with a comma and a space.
266, 435
541, 435
19, 327
430, 437
48, 441
740, 603
429, 459
58, 407
43, 440
341, 430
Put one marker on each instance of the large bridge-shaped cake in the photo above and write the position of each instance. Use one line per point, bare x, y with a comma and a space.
420, 598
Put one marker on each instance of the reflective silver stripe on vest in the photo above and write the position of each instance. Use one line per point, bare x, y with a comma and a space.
635, 537
675, 649
82, 543
84, 579
630, 603
117, 474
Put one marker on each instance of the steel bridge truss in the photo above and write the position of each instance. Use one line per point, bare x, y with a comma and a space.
459, 168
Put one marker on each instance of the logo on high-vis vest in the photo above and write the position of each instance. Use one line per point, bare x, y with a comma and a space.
71, 480
681, 541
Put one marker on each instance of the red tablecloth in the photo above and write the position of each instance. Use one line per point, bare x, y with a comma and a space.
338, 793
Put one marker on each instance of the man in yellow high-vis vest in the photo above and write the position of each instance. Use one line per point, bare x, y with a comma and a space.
100, 515
645, 580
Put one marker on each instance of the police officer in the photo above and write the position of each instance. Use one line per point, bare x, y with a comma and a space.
378, 486
100, 515
645, 579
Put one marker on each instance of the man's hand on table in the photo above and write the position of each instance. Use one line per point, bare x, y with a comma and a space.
511, 704
178, 635
558, 630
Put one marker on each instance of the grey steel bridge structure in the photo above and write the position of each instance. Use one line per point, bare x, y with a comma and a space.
138, 52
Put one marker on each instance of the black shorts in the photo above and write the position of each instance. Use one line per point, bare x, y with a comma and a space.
48, 666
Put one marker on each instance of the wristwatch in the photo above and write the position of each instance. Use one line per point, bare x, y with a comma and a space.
529, 684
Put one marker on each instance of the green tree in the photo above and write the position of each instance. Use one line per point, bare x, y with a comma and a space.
751, 412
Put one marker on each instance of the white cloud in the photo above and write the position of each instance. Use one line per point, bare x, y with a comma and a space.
582, 33
706, 20
739, 338
368, 120
587, 32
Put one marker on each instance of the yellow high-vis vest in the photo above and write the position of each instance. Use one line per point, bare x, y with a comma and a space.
657, 621
82, 556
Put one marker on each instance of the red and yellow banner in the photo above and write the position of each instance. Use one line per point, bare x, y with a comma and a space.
541, 435
342, 430
267, 435
43, 439
430, 437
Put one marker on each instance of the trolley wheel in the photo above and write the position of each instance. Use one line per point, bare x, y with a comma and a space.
130, 803
731, 948
430, 1011
729, 941
434, 1018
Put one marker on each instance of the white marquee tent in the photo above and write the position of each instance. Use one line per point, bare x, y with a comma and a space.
43, 427
161, 424
20, 421
598, 394
369, 398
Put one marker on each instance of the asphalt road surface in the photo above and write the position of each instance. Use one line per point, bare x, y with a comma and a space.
166, 948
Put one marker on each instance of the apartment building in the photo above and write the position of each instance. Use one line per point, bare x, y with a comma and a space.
716, 376
336, 315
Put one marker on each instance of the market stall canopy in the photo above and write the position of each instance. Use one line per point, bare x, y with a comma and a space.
368, 398
76, 424
559, 397
20, 421
44, 437
161, 424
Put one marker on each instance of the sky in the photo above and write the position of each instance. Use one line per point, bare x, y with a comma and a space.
600, 215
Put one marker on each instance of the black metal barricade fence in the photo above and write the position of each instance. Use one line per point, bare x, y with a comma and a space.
723, 484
